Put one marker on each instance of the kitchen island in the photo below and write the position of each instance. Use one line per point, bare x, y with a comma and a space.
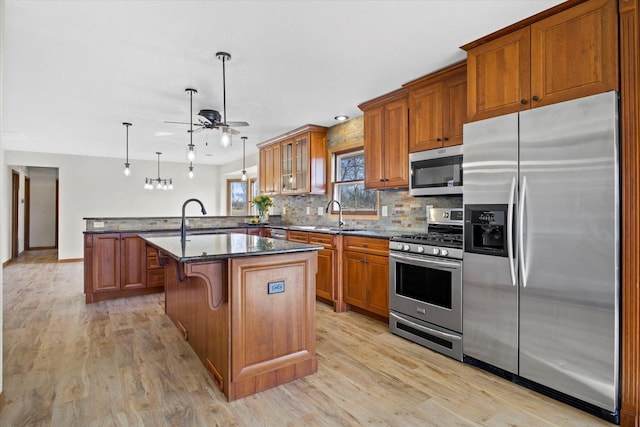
245, 304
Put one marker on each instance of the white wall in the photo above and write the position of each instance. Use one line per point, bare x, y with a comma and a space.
3, 235
96, 187
42, 215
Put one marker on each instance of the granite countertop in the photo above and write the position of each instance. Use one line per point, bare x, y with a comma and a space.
366, 232
208, 247
192, 230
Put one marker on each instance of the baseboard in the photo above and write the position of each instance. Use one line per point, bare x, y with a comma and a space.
2, 400
7, 262
70, 260
38, 248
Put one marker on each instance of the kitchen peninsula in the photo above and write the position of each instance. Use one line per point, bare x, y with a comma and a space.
245, 304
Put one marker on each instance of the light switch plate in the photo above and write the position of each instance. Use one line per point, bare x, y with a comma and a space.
320, 211
308, 210
385, 211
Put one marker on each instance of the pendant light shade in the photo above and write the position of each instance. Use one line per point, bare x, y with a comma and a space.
191, 170
127, 169
244, 150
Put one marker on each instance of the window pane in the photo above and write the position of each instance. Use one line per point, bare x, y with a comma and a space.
350, 166
238, 194
354, 197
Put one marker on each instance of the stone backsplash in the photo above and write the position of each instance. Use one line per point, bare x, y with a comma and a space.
167, 223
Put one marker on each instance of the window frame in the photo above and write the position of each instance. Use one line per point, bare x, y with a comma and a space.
251, 184
333, 155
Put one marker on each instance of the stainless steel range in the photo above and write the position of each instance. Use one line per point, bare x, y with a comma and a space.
425, 284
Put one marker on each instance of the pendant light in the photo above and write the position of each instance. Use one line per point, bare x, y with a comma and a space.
225, 130
160, 183
191, 149
244, 169
127, 170
190, 170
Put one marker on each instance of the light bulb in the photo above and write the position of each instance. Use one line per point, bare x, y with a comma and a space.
159, 185
190, 172
191, 152
170, 185
127, 171
225, 137
244, 175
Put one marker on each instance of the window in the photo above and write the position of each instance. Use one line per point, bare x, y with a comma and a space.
348, 183
239, 195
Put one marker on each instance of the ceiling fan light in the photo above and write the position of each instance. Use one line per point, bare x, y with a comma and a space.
225, 136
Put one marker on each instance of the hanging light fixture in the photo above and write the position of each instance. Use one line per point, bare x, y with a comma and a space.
160, 183
244, 169
225, 130
127, 170
190, 170
191, 149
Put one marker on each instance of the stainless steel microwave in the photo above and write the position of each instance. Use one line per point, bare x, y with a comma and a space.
436, 172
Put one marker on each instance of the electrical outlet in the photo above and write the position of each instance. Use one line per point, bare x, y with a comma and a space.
385, 211
308, 210
284, 210
426, 210
320, 211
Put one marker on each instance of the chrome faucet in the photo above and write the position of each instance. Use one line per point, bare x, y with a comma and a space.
340, 221
183, 225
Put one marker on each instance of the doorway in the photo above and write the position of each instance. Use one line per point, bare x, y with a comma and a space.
27, 211
15, 199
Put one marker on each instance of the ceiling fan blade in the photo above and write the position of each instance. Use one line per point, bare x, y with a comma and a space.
200, 129
237, 124
234, 132
203, 120
178, 123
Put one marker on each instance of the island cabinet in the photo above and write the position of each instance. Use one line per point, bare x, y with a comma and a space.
437, 108
119, 265
250, 320
386, 141
566, 52
328, 276
365, 269
294, 163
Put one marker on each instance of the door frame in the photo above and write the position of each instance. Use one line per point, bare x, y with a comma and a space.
27, 212
15, 199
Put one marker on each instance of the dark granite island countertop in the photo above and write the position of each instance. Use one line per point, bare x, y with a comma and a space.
207, 247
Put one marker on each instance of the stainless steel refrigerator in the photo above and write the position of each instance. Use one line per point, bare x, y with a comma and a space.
541, 267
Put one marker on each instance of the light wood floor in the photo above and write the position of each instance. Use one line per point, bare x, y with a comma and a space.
123, 363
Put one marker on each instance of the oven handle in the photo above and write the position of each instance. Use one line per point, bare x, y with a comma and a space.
426, 261
512, 259
425, 329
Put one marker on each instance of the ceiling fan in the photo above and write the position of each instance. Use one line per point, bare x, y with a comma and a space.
211, 119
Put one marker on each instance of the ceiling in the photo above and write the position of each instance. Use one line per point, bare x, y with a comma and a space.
74, 71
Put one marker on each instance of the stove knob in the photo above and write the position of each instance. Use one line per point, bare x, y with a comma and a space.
406, 247
420, 249
399, 246
436, 251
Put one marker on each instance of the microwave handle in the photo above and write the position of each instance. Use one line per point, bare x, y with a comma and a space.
512, 258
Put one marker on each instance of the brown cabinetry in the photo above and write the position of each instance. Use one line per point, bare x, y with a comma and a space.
119, 264
437, 108
366, 273
386, 139
548, 58
301, 162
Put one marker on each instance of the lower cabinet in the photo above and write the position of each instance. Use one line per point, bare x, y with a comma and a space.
365, 273
118, 265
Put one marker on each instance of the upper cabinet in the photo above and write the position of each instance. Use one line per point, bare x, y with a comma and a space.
294, 163
437, 108
557, 55
386, 141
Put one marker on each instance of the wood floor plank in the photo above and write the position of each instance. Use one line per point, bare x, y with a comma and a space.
124, 363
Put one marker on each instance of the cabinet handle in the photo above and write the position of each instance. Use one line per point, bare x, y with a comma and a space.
381, 179
365, 245
535, 97
446, 139
523, 101
438, 139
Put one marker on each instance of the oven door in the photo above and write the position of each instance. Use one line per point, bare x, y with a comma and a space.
426, 288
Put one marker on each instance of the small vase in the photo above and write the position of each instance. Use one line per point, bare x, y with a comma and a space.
264, 217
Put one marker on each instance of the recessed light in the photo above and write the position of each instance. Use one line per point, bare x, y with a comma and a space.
341, 118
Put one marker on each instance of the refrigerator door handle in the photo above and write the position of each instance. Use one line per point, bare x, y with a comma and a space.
512, 259
521, 231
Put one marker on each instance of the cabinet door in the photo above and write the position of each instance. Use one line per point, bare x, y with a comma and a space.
324, 277
106, 262
378, 284
574, 53
301, 165
498, 76
287, 156
454, 109
276, 186
396, 144
263, 154
133, 260
354, 278
373, 151
426, 118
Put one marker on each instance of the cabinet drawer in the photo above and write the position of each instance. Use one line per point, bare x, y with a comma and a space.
326, 240
152, 263
155, 278
298, 236
367, 245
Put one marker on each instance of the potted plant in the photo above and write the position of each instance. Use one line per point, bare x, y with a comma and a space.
262, 203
